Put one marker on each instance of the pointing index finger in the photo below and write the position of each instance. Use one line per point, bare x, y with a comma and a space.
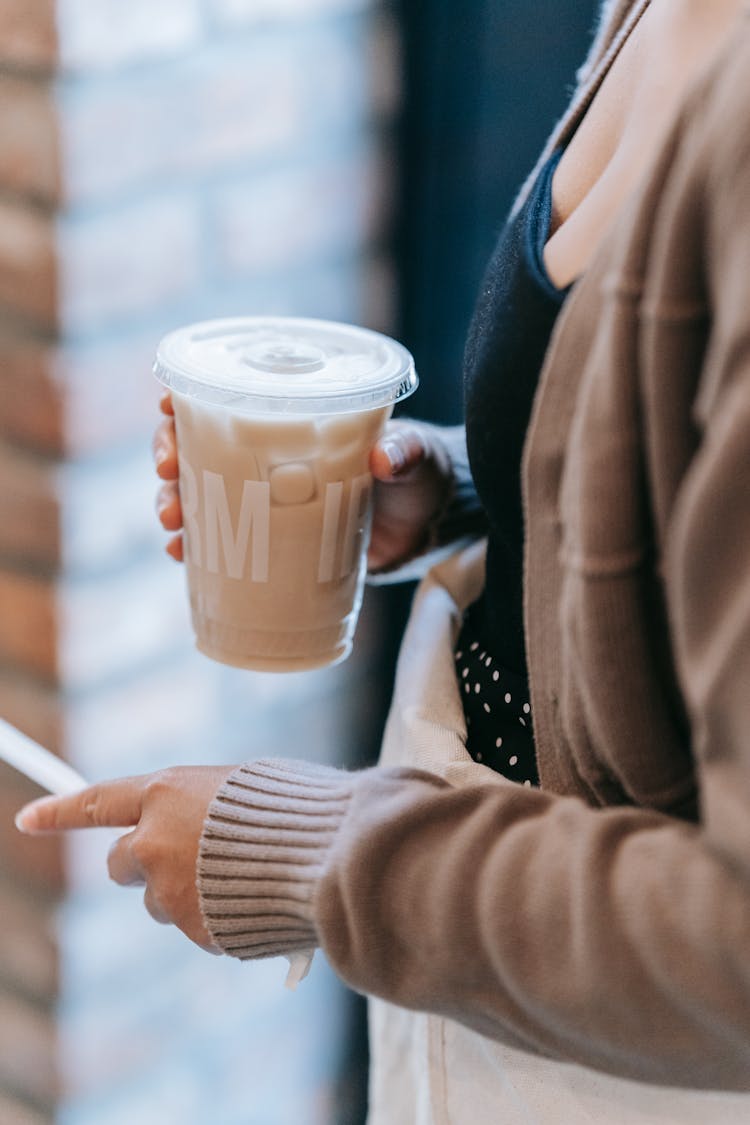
109, 804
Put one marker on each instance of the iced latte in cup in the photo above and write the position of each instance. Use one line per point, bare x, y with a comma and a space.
276, 418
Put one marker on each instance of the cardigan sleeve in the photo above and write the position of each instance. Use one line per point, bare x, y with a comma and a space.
615, 938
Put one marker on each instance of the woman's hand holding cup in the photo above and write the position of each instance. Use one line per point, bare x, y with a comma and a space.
410, 467
168, 498
412, 473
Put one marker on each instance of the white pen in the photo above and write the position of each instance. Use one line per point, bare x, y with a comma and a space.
38, 764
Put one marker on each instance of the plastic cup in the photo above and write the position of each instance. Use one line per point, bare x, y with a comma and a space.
276, 418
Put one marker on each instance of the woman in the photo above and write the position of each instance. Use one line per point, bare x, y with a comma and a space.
519, 903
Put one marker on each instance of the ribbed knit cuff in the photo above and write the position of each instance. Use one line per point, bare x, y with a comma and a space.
264, 844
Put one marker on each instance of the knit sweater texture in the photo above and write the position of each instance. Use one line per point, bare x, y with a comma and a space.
604, 919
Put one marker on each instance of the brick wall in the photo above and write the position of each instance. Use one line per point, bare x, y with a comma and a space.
160, 161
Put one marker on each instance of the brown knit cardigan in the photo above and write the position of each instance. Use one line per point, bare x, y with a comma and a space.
606, 918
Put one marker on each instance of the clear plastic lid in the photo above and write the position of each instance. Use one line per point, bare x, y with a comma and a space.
272, 365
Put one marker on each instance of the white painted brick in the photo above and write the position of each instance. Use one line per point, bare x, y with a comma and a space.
107, 511
115, 624
109, 395
101, 664
268, 99
285, 220
336, 291
215, 109
166, 714
103, 34
337, 80
249, 12
197, 115
78, 398
78, 634
76, 516
203, 1016
127, 261
163, 716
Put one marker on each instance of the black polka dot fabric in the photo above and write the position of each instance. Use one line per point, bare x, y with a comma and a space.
497, 711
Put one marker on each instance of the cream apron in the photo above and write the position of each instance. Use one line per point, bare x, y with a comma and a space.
426, 1070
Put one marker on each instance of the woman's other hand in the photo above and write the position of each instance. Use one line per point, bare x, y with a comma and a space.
412, 472
165, 812
168, 497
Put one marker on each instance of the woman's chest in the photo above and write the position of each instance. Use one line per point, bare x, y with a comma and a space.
624, 126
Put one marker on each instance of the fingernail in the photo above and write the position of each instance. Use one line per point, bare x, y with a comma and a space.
26, 817
160, 454
395, 455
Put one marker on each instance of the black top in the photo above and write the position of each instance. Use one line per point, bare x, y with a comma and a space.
508, 337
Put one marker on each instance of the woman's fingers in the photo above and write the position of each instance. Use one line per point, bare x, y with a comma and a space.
168, 506
176, 548
155, 909
400, 449
123, 865
110, 804
412, 470
167, 810
165, 450
168, 498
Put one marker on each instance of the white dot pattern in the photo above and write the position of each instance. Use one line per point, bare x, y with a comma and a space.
497, 713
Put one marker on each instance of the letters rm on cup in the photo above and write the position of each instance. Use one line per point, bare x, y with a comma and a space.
215, 535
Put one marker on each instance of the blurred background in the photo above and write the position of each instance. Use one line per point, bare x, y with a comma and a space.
163, 161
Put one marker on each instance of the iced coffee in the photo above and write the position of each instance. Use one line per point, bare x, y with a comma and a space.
275, 422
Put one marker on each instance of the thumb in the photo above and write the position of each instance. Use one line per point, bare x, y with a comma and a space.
400, 449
